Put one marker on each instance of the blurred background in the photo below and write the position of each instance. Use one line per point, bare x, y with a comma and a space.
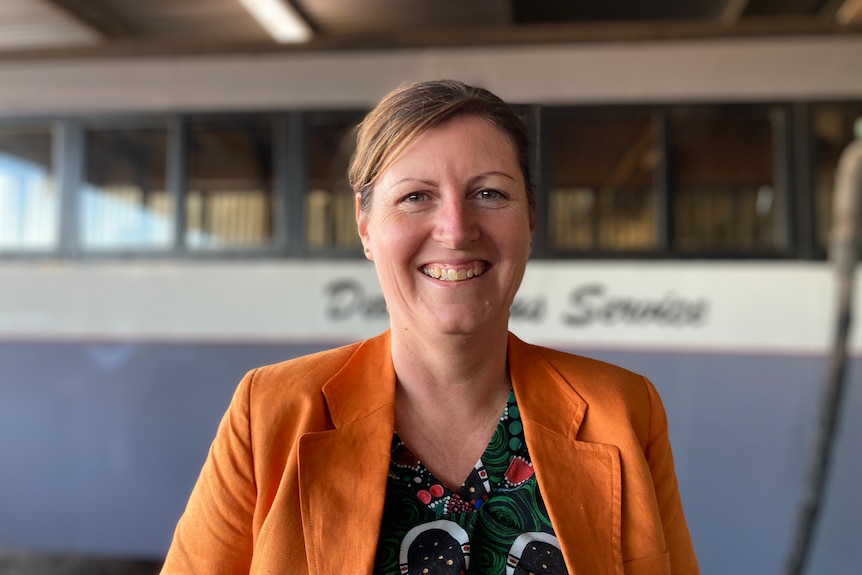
174, 212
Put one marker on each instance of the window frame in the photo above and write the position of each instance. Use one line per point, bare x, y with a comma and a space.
54, 128
312, 119
793, 165
663, 186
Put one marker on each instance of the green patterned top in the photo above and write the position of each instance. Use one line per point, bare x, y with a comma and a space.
495, 524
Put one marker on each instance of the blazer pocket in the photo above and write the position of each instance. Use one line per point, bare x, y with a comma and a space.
652, 565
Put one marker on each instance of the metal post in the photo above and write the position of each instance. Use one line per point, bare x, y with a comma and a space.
844, 252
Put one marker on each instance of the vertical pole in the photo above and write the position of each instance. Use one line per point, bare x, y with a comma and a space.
844, 252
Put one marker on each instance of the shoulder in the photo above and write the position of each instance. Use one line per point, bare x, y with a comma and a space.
570, 362
585, 375
305, 372
292, 389
614, 394
274, 405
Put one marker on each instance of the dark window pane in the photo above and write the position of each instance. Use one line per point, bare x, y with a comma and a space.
832, 127
725, 197
330, 214
229, 198
124, 201
28, 197
601, 186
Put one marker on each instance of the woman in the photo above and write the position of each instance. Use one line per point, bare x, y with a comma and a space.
446, 444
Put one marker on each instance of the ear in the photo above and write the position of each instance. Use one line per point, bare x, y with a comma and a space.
362, 227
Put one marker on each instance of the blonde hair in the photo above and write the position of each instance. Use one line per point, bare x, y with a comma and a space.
412, 109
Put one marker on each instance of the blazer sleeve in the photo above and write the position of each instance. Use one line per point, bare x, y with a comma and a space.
214, 534
660, 459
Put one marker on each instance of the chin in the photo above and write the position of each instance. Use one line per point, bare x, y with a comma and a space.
462, 325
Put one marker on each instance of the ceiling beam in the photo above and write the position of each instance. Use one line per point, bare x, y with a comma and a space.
96, 17
829, 9
416, 38
733, 11
32, 25
849, 13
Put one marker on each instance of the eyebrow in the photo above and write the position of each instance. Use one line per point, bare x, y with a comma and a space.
471, 181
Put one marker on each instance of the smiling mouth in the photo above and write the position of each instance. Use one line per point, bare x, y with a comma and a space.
455, 274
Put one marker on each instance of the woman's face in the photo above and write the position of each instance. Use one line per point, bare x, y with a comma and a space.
448, 229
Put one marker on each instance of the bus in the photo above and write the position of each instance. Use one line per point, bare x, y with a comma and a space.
167, 224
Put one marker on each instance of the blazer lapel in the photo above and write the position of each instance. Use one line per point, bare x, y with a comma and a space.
343, 471
580, 482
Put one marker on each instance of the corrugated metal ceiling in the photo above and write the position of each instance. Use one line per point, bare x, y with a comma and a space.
33, 28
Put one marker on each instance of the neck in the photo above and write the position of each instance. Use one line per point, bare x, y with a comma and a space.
449, 396
462, 371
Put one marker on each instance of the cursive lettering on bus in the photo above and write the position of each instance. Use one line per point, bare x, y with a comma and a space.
348, 298
591, 304
528, 309
588, 304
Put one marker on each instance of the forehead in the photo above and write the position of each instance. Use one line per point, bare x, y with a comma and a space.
460, 141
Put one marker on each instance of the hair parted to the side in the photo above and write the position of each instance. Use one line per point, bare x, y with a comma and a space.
411, 109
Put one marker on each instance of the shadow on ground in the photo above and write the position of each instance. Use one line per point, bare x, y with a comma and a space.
28, 564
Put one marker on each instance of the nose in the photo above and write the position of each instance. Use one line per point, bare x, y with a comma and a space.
456, 223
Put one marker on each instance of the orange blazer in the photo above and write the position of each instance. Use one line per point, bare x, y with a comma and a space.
295, 480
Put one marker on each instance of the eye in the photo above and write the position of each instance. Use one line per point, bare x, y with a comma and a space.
414, 197
489, 194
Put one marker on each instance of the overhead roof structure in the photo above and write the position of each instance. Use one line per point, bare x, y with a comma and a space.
86, 28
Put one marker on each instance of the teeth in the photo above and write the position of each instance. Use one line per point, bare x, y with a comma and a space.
452, 275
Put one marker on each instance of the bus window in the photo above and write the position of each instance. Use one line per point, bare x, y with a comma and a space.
28, 195
330, 216
124, 202
725, 197
230, 201
601, 192
832, 131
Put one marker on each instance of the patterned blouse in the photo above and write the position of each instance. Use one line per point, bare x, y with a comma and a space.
495, 524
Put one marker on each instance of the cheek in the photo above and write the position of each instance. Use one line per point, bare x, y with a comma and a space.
520, 240
394, 230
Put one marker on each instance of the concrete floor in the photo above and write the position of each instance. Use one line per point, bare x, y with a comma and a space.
28, 564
